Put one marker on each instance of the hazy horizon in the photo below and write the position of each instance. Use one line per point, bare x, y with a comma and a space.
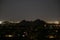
29, 10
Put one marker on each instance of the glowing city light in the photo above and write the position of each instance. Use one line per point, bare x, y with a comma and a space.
54, 22
51, 36
8, 35
14, 21
1, 22
23, 35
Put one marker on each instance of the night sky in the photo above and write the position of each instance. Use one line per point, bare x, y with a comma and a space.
29, 9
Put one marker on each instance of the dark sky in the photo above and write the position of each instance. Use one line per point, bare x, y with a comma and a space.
29, 9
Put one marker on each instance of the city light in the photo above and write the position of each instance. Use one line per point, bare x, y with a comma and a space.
14, 21
1, 22
54, 22
8, 35
50, 36
23, 35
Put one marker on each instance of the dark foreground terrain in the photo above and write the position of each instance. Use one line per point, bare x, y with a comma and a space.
29, 30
